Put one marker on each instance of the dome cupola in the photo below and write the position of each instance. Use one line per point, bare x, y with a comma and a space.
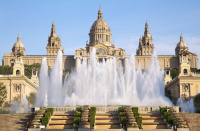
100, 31
181, 45
18, 47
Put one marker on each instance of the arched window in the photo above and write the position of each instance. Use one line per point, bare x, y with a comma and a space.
167, 72
52, 44
119, 53
185, 72
17, 72
80, 53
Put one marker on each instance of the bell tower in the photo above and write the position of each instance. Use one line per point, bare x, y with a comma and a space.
146, 46
54, 42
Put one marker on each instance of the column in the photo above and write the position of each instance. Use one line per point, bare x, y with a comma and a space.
78, 62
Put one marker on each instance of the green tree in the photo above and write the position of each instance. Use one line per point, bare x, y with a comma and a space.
31, 98
29, 68
5, 70
174, 72
2, 93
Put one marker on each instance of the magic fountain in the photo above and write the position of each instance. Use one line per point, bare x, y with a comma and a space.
105, 83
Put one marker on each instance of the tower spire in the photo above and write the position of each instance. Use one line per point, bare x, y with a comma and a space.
146, 32
100, 13
53, 29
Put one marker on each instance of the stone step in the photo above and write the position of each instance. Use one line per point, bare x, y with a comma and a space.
110, 118
62, 116
60, 127
61, 121
153, 123
107, 121
152, 120
106, 114
154, 126
107, 126
153, 117
106, 117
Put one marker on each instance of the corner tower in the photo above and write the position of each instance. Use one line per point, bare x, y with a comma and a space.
146, 46
54, 42
18, 47
181, 46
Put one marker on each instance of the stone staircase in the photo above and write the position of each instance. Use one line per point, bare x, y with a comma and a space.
14, 122
193, 120
62, 121
152, 121
105, 120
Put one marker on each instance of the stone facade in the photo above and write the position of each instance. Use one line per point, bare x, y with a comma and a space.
17, 84
100, 38
186, 84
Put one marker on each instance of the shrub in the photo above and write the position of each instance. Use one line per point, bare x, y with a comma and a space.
170, 120
78, 109
121, 109
123, 120
76, 120
163, 109
51, 110
93, 109
122, 114
140, 126
135, 109
45, 121
139, 120
92, 117
78, 114
137, 114
47, 115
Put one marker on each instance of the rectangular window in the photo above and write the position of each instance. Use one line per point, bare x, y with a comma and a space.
106, 37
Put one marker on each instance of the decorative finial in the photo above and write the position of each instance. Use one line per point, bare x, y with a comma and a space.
18, 37
100, 14
146, 24
53, 24
181, 37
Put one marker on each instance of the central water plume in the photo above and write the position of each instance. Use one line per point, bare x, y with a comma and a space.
105, 83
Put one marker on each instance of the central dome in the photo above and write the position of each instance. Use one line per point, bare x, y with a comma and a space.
100, 25
100, 31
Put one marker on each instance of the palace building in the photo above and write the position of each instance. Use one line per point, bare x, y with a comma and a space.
100, 38
185, 85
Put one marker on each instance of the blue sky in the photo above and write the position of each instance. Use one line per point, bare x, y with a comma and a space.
73, 19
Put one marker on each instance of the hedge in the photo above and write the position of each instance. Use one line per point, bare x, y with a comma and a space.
139, 120
93, 109
135, 109
92, 117
45, 121
123, 120
122, 114
163, 109
47, 116
78, 114
136, 114
168, 116
50, 110
78, 109
121, 109
76, 120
